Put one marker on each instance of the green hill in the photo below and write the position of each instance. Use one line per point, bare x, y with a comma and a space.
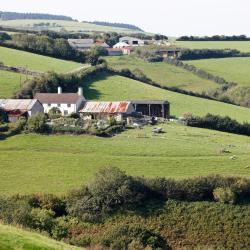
12, 57
164, 74
12, 238
243, 46
107, 87
232, 69
56, 164
10, 83
59, 25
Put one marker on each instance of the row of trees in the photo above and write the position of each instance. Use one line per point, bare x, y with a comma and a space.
4, 15
45, 45
196, 54
214, 38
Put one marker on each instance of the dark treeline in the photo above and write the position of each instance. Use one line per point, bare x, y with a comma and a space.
14, 16
118, 25
196, 54
44, 45
214, 38
149, 213
49, 83
215, 122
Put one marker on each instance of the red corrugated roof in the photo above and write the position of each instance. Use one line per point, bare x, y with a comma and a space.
105, 107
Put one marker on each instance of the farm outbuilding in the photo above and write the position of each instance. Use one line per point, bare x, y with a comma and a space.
16, 108
107, 110
152, 108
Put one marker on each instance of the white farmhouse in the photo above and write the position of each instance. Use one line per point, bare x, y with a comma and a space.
68, 103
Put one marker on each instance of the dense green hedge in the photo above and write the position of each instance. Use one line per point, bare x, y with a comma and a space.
117, 211
196, 54
220, 123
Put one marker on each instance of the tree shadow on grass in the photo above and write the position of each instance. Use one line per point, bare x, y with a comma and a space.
89, 92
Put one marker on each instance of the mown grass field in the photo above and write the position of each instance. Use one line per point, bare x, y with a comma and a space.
232, 69
243, 46
12, 238
164, 74
12, 57
65, 25
56, 164
119, 88
10, 82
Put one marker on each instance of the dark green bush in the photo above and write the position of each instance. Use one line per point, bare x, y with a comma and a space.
122, 236
4, 127
48, 202
110, 190
54, 113
42, 219
224, 195
15, 211
3, 116
37, 124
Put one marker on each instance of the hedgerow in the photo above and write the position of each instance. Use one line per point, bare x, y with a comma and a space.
118, 211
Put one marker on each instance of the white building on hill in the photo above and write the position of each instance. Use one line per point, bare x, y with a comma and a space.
131, 41
68, 103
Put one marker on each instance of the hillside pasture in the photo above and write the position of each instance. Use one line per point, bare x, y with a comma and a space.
117, 88
12, 238
17, 58
243, 46
56, 164
232, 69
10, 83
164, 74
59, 25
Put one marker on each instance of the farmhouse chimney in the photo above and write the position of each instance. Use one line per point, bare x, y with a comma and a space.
59, 90
80, 91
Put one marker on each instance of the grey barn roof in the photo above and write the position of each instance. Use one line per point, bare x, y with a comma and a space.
17, 104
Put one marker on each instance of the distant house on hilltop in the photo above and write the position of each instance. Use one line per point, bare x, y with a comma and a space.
86, 44
120, 45
131, 41
81, 44
16, 108
68, 103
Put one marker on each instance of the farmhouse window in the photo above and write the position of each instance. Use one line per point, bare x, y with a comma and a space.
69, 105
58, 105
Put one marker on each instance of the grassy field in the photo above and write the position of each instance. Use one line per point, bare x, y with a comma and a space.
121, 88
10, 83
63, 25
56, 164
242, 46
12, 57
164, 74
232, 69
12, 238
